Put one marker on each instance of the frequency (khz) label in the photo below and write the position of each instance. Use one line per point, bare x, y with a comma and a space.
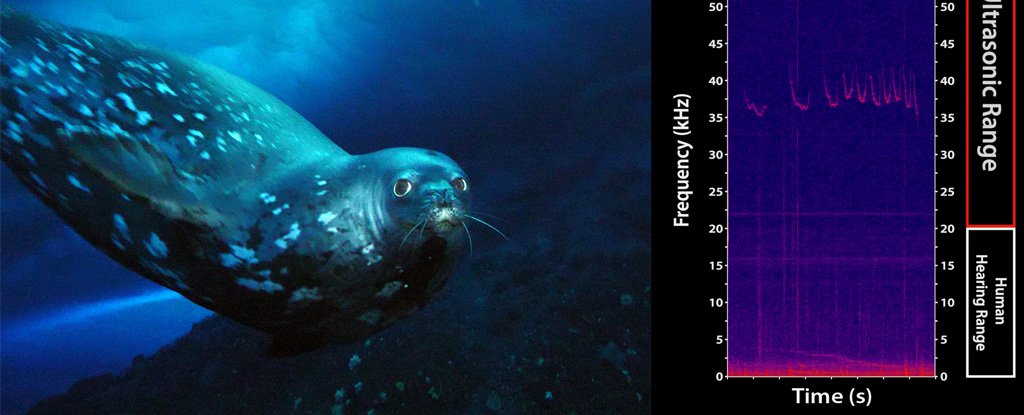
990, 303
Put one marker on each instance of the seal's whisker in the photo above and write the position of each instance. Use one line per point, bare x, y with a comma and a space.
489, 215
410, 233
470, 238
487, 225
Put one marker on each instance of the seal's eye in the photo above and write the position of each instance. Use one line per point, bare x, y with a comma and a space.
460, 184
402, 187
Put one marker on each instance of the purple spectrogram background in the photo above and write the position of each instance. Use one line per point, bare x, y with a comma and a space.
831, 188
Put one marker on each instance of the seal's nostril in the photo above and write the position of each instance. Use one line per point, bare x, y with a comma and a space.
444, 202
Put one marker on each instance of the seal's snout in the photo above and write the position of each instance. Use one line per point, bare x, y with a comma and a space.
445, 211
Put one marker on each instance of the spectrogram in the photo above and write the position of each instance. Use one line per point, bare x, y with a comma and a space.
831, 188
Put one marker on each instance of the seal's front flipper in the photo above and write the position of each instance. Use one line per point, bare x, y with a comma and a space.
137, 168
287, 344
135, 165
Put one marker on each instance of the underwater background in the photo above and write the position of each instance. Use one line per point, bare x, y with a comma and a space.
545, 104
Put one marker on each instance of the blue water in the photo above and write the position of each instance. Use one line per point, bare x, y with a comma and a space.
545, 104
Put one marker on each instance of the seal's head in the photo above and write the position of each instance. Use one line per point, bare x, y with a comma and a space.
425, 191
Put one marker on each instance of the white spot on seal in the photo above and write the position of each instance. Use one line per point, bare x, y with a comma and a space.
205, 155
200, 116
268, 198
143, 118
326, 217
306, 294
389, 289
78, 184
15, 130
127, 101
321, 182
155, 246
122, 227
164, 89
37, 65
244, 253
292, 235
235, 135
44, 113
21, 70
78, 66
37, 180
267, 286
69, 47
229, 261
321, 193
179, 117
370, 255
84, 110
370, 318
280, 209
354, 361
60, 90
238, 255
170, 274
194, 136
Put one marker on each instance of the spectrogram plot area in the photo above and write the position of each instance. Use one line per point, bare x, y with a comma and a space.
831, 177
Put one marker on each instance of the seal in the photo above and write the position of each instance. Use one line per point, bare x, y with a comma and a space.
213, 188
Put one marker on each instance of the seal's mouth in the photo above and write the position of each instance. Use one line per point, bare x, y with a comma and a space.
443, 219
443, 215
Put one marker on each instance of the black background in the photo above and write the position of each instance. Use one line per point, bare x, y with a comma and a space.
686, 355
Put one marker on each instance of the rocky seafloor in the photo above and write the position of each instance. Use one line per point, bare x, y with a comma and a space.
554, 320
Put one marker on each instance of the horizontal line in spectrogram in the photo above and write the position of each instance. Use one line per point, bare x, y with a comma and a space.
837, 370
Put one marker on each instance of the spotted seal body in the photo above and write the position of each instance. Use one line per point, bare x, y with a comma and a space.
211, 187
